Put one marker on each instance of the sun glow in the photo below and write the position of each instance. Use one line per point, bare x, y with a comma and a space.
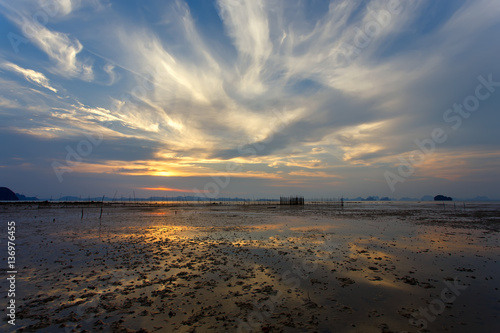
166, 189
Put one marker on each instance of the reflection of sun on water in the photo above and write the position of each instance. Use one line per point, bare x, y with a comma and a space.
160, 213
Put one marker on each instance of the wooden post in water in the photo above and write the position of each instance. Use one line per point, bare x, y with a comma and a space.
102, 203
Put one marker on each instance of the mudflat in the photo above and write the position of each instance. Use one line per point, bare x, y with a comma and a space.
366, 267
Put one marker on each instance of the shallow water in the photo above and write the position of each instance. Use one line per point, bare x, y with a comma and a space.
365, 268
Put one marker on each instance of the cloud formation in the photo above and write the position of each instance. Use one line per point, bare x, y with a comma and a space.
61, 48
29, 74
293, 91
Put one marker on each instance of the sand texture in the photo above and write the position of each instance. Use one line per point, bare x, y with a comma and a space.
379, 267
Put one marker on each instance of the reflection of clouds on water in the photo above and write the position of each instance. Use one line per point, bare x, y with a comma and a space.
265, 267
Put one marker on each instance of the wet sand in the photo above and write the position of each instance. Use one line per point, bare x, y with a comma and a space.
379, 267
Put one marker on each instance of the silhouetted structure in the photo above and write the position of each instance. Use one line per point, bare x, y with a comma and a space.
293, 200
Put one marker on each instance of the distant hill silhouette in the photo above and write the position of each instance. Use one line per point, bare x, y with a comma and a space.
6, 194
22, 197
442, 198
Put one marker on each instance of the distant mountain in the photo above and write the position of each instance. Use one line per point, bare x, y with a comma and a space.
70, 198
6, 194
154, 198
480, 198
25, 198
441, 197
408, 199
354, 199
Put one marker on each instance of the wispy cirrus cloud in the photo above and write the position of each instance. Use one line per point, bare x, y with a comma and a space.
110, 70
29, 74
61, 48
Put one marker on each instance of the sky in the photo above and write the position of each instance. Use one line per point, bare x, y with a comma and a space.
251, 99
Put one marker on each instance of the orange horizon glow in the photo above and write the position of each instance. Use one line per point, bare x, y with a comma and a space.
167, 189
